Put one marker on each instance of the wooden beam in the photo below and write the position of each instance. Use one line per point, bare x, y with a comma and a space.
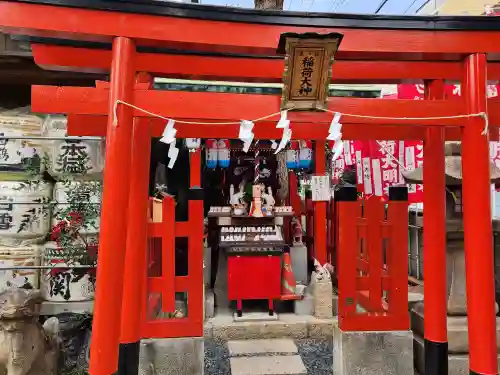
247, 69
85, 125
219, 107
242, 37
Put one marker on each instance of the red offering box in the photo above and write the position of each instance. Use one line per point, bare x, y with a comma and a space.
254, 277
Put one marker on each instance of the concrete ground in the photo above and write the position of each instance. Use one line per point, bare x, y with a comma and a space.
285, 356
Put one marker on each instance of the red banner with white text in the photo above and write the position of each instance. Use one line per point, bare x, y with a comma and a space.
379, 164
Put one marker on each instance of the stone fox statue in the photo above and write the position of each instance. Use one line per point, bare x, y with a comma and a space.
26, 347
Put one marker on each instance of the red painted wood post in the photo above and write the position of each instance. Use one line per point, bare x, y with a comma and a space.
348, 208
135, 272
168, 254
135, 269
195, 168
195, 241
114, 219
195, 259
478, 236
397, 258
374, 213
320, 207
435, 286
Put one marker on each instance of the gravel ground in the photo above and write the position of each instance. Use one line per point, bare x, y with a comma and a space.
216, 358
317, 355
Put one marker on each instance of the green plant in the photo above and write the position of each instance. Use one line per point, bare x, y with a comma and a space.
41, 209
77, 214
74, 217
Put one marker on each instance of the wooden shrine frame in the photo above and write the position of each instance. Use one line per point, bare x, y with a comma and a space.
184, 40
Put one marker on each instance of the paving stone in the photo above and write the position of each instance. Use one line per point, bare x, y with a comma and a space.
269, 365
248, 347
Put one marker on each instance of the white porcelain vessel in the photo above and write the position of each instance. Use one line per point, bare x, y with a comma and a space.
61, 284
72, 157
20, 155
22, 256
24, 212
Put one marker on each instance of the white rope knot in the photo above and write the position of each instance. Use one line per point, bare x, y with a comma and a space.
486, 129
115, 112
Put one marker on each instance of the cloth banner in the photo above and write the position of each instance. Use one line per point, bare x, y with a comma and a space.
380, 164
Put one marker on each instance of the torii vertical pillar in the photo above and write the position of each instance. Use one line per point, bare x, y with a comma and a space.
478, 236
435, 289
320, 207
114, 216
135, 268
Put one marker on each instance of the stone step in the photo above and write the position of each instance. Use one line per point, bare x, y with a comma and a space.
223, 327
268, 365
259, 347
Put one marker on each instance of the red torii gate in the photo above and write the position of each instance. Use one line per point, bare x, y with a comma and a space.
439, 49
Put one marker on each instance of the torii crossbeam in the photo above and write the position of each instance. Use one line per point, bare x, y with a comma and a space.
184, 40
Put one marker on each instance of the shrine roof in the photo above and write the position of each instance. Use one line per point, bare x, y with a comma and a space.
232, 14
167, 28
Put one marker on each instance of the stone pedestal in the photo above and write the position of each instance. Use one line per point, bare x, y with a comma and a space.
220, 287
304, 306
458, 342
455, 271
172, 356
209, 304
335, 304
322, 292
207, 266
298, 255
372, 353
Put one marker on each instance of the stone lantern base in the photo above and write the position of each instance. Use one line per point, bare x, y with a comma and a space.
458, 342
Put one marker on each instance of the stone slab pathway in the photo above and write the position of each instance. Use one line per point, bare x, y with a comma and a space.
269, 357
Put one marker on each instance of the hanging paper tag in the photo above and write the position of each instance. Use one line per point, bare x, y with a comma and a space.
335, 128
169, 132
287, 135
173, 152
274, 145
246, 132
169, 138
334, 137
337, 149
283, 123
246, 145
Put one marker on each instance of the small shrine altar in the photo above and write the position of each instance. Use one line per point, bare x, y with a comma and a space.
250, 238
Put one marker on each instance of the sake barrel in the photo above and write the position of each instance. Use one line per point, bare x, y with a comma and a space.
62, 283
21, 155
24, 212
78, 200
75, 156
21, 256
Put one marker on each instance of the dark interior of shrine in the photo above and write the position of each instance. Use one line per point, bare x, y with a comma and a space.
216, 183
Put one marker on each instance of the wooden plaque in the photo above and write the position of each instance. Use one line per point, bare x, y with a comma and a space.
308, 69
